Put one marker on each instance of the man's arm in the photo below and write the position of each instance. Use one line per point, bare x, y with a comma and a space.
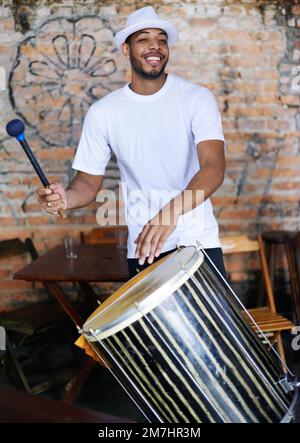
207, 179
80, 192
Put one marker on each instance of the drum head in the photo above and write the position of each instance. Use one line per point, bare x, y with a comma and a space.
142, 293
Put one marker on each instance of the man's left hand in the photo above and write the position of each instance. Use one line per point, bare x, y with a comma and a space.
153, 237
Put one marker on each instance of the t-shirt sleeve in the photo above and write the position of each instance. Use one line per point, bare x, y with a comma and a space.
93, 152
206, 118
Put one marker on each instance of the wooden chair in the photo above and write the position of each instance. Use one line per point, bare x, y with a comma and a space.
268, 320
106, 235
292, 246
24, 322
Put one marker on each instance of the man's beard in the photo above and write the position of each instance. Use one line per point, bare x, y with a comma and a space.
147, 75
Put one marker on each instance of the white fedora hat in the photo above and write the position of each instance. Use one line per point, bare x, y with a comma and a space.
145, 18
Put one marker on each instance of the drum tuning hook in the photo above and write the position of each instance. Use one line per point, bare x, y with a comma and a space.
199, 245
79, 329
183, 266
288, 383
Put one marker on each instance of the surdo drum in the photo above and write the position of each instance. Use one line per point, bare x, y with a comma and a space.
179, 345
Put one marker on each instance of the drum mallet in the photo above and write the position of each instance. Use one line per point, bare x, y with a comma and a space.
16, 128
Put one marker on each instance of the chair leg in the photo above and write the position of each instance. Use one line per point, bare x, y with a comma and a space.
17, 365
281, 351
261, 296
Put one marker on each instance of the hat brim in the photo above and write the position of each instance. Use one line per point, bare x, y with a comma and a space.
166, 26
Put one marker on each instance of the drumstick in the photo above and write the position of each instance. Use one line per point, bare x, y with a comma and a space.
16, 128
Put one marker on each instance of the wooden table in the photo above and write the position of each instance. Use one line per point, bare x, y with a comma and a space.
95, 263
20, 407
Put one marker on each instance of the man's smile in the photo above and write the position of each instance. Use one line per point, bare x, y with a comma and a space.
153, 59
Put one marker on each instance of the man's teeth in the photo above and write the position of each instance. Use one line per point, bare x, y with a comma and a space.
156, 59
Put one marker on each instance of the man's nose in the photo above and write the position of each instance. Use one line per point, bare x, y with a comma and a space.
153, 44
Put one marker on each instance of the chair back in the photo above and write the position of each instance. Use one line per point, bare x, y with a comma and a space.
106, 235
14, 246
293, 255
243, 244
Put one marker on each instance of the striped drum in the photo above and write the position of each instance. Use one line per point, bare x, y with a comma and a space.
178, 343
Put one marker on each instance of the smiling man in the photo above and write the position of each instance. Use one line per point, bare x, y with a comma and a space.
166, 134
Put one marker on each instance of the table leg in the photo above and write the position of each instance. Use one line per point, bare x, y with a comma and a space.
65, 303
90, 294
76, 383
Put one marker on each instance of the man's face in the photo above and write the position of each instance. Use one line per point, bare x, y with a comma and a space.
148, 52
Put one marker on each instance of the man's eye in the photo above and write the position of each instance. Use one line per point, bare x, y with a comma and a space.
142, 40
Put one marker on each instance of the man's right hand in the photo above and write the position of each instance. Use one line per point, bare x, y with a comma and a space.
52, 198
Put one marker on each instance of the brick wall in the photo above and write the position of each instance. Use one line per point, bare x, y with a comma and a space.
57, 57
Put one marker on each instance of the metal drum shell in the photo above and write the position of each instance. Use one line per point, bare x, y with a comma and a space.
192, 357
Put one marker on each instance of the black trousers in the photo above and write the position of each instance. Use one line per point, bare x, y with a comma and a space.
215, 254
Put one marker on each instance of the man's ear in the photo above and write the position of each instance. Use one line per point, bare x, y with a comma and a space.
125, 50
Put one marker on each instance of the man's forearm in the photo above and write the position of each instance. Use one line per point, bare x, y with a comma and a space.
204, 183
154, 234
82, 190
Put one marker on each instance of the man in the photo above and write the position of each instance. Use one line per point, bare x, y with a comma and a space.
167, 136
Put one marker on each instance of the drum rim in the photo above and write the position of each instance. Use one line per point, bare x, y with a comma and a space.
290, 413
140, 309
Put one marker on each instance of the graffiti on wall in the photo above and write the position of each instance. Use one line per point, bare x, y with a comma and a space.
59, 72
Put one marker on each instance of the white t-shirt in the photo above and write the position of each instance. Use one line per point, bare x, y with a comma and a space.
154, 139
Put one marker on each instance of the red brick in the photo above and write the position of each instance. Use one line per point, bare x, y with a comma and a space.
9, 221
202, 22
56, 154
38, 220
15, 194
4, 273
284, 172
296, 9
9, 285
286, 185
243, 213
